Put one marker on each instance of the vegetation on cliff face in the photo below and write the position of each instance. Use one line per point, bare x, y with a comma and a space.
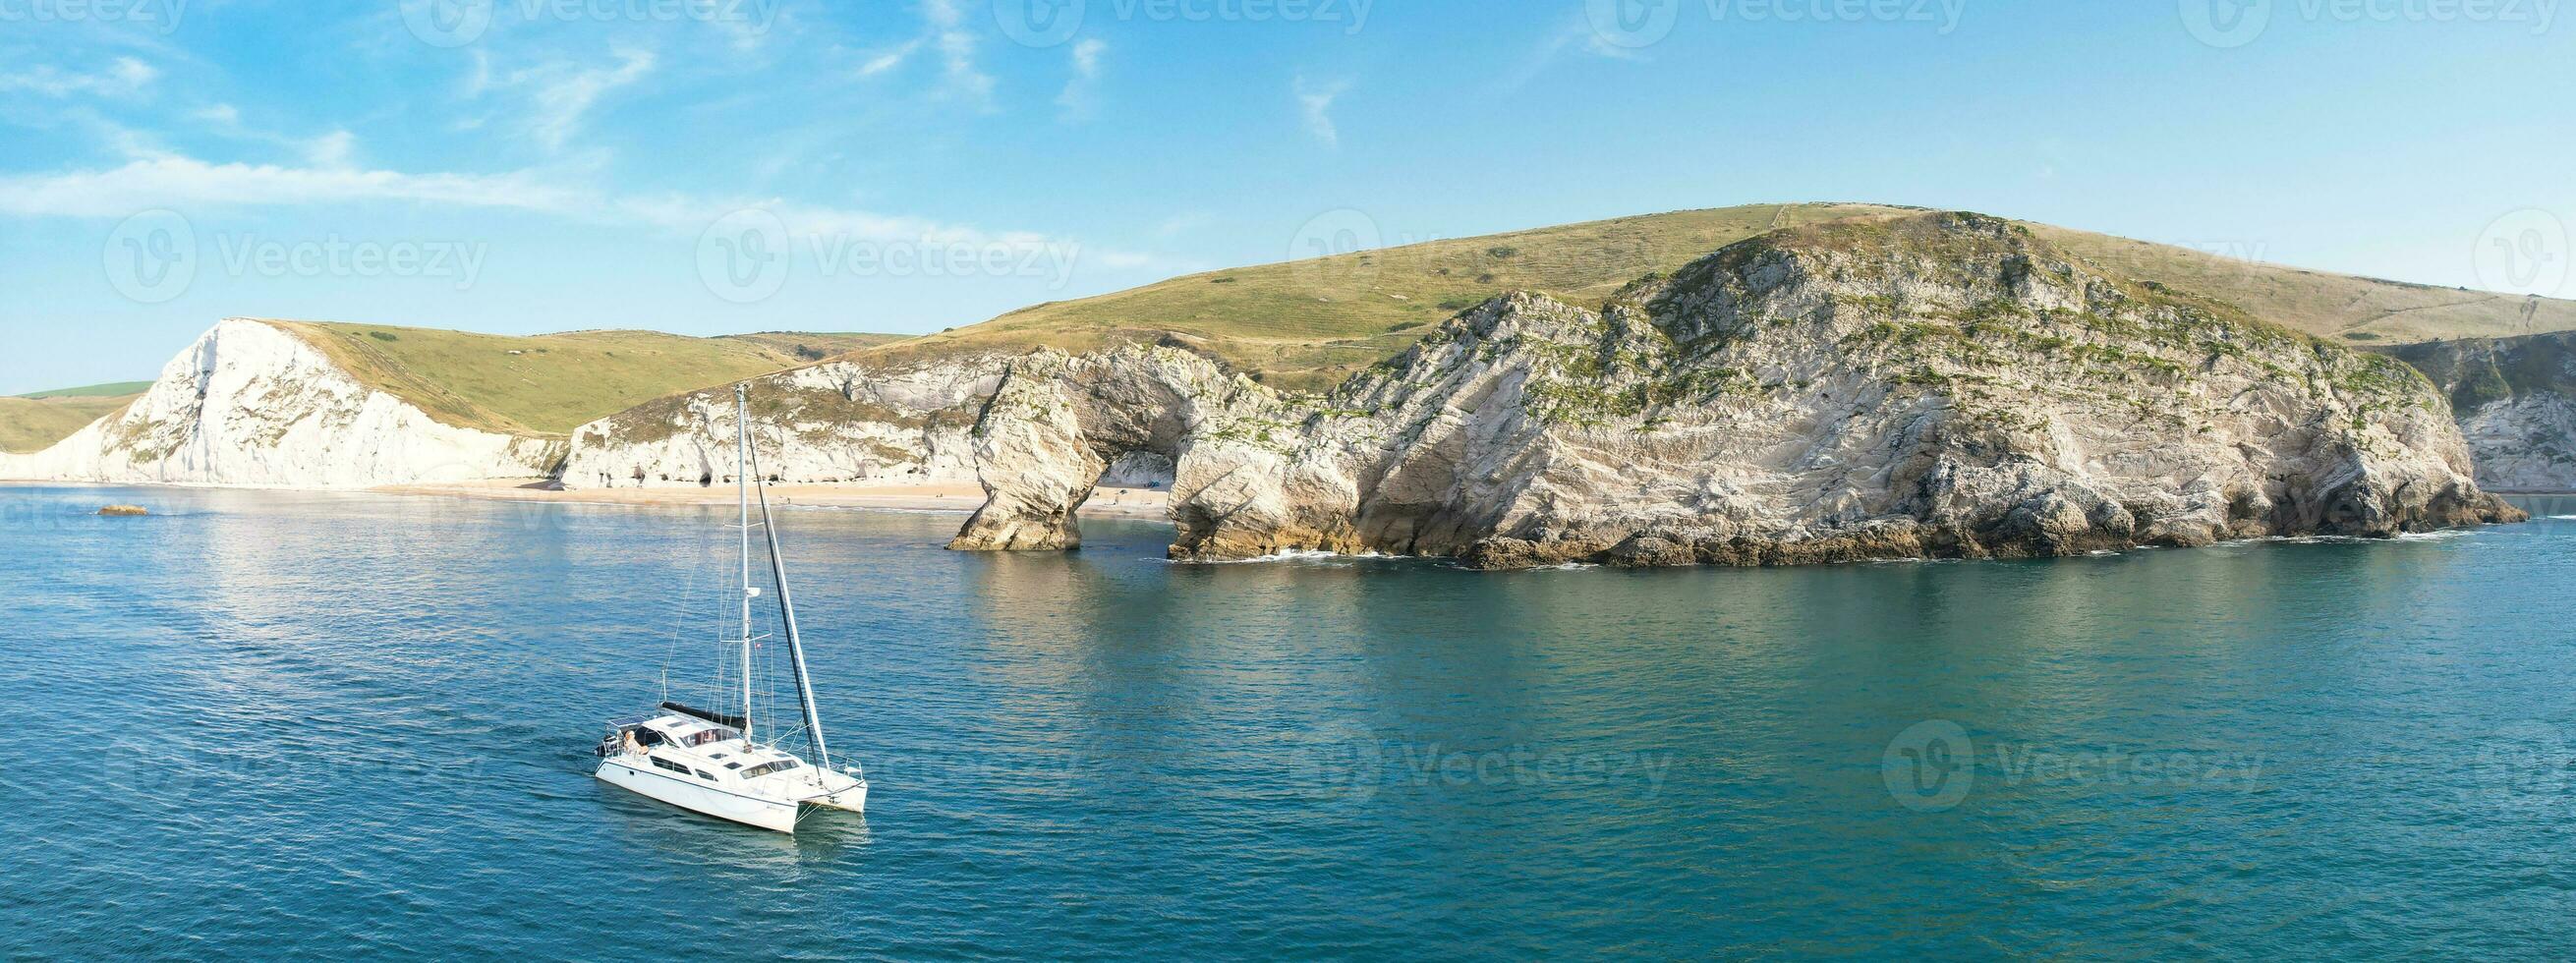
2125, 343
2478, 372
1306, 325
1924, 385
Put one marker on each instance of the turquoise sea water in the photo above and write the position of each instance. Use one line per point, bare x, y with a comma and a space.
265, 724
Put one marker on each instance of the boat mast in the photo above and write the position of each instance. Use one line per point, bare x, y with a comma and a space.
742, 498
787, 616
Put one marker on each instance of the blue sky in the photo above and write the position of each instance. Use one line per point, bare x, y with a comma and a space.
714, 166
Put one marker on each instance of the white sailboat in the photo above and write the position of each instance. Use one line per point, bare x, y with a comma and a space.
713, 762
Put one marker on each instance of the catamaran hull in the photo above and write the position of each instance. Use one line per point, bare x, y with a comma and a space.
846, 794
770, 814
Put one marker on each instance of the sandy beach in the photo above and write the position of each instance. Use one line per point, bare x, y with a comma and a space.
1147, 503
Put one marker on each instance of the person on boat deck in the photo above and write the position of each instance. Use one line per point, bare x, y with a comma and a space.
627, 740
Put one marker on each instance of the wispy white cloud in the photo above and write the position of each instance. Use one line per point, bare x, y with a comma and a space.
124, 76
113, 137
945, 34
1077, 100
960, 77
1574, 33
559, 94
332, 150
1315, 105
889, 59
336, 149
190, 185
183, 182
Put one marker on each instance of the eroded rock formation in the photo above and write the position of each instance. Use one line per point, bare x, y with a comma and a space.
2516, 403
832, 422
1935, 386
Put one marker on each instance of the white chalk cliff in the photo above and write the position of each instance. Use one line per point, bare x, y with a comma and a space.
253, 404
828, 423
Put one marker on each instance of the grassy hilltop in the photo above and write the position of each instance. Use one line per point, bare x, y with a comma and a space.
550, 384
1309, 324
31, 422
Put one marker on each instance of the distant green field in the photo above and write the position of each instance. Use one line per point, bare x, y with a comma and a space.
33, 424
808, 346
1309, 324
549, 384
113, 389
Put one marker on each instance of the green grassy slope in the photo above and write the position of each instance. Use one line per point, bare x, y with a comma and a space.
33, 424
811, 346
2355, 310
548, 384
113, 389
1309, 324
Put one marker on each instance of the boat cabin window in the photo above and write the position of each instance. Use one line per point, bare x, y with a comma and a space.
704, 736
702, 774
661, 763
766, 768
